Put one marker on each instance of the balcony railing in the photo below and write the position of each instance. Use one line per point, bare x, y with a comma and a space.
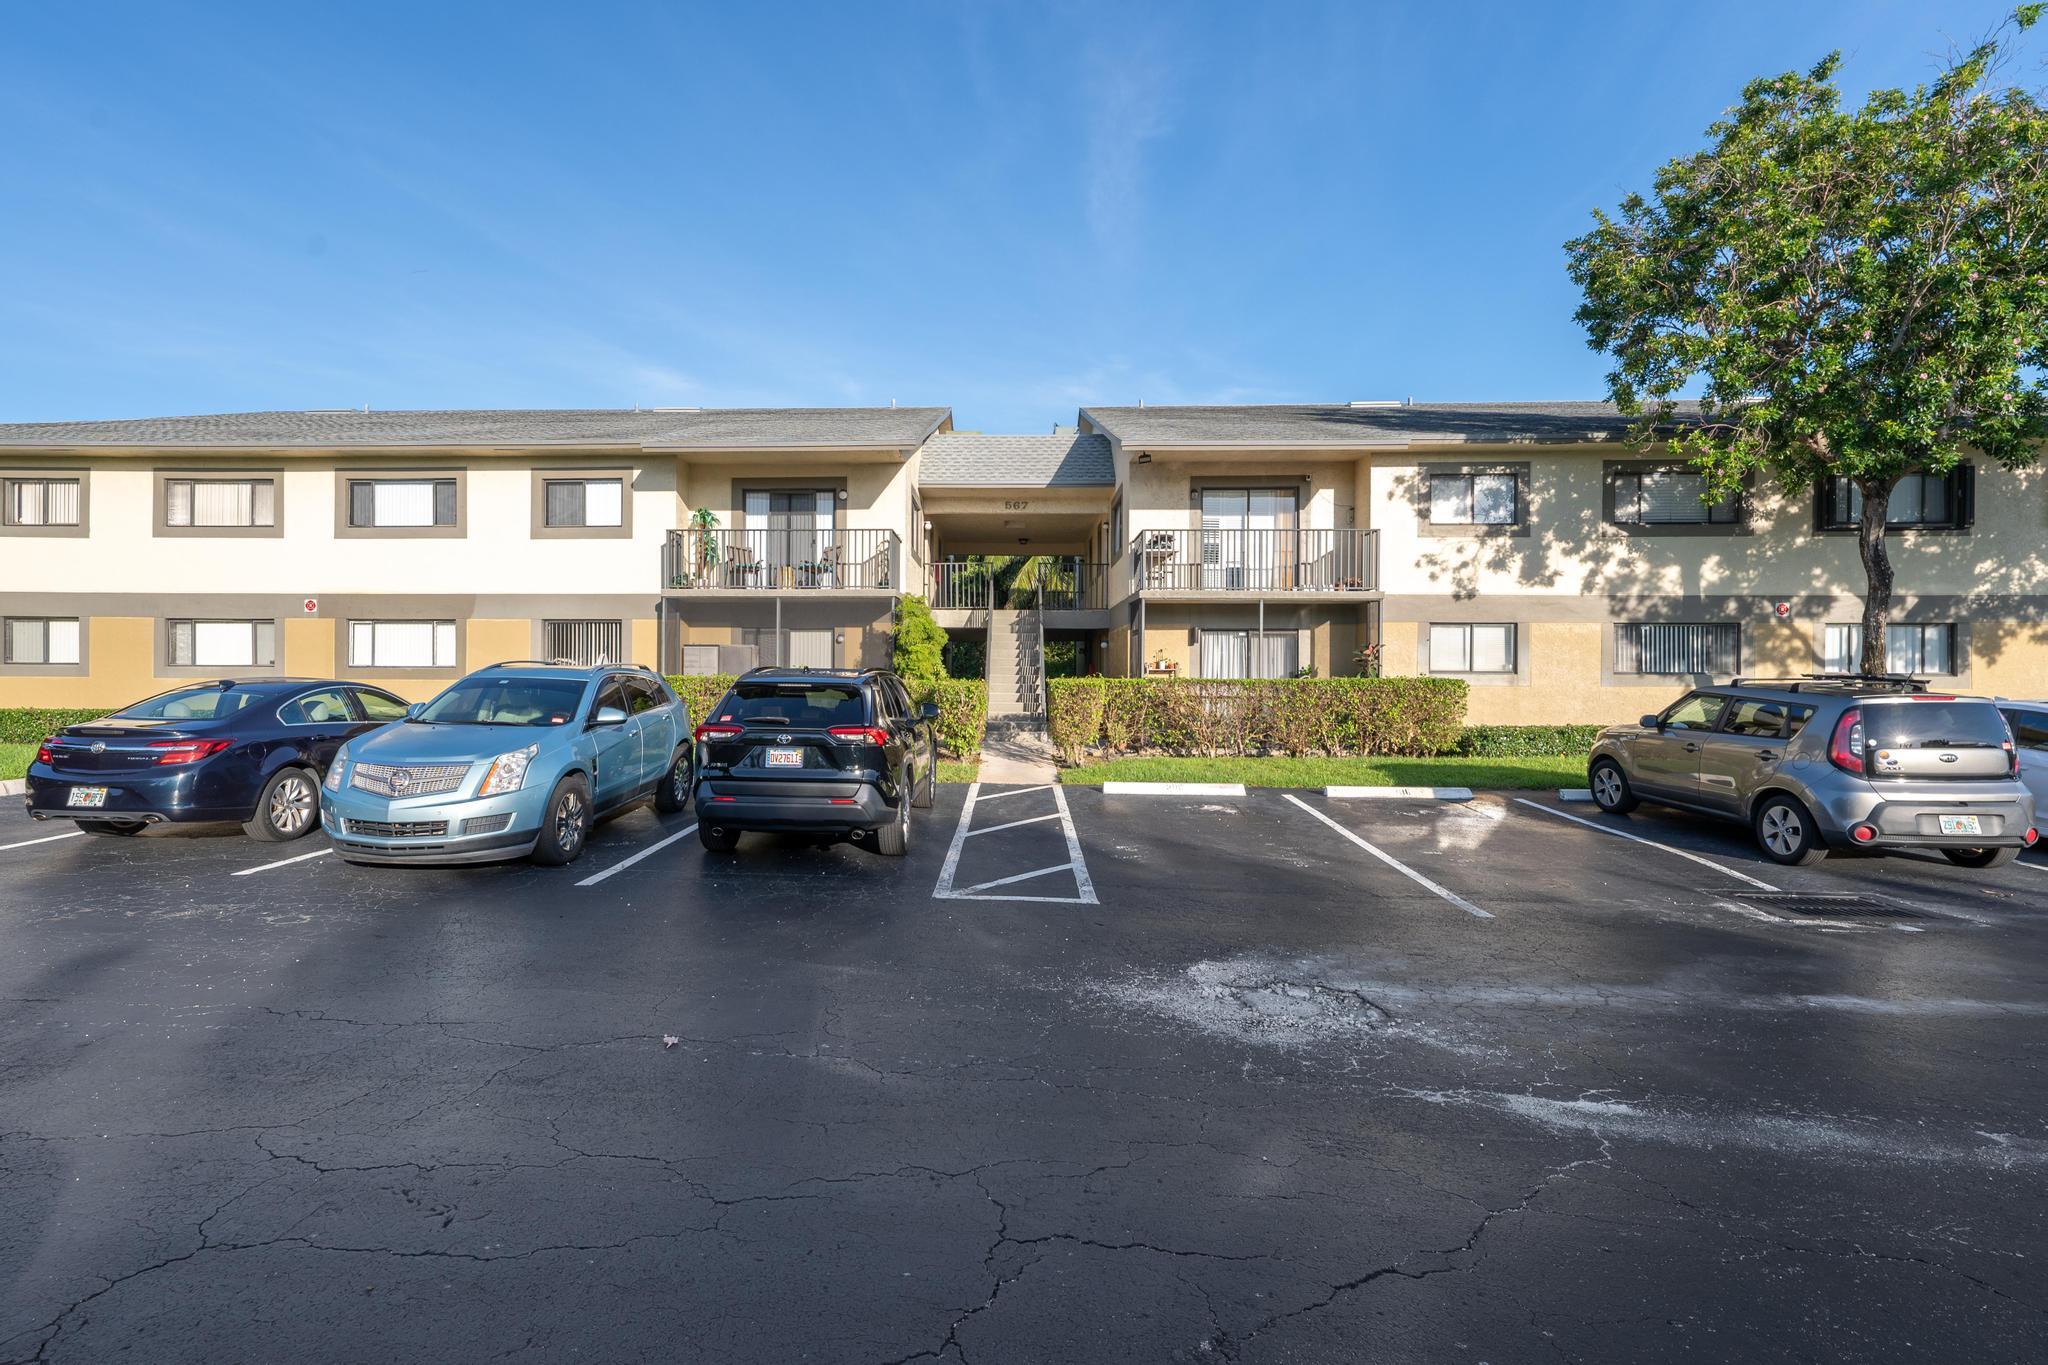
783, 560
1068, 583
1255, 561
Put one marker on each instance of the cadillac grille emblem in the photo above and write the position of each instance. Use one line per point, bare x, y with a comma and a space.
400, 780
99, 746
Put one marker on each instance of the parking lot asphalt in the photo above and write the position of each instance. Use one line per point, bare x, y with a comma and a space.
1269, 1078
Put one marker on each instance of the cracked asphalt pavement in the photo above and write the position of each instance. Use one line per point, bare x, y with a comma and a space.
1272, 1099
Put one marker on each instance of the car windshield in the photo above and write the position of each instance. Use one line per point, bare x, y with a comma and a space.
506, 701
191, 703
799, 705
1935, 725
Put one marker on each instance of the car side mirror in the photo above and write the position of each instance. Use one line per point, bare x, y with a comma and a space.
412, 712
928, 711
1651, 723
608, 715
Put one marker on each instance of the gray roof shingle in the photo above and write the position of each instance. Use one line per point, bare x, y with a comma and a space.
1306, 424
708, 428
1064, 458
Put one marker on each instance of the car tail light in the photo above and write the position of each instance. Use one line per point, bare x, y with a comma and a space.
43, 749
707, 731
2012, 760
174, 751
864, 734
1845, 748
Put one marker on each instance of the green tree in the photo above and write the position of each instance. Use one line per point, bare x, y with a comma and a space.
1858, 295
920, 641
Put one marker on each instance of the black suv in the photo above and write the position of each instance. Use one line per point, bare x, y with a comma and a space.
816, 751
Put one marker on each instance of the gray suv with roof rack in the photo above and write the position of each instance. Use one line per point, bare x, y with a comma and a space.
1829, 761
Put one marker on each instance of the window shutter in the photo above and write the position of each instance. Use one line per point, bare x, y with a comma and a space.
444, 502
362, 503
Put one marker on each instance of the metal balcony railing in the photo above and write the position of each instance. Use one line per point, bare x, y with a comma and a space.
783, 560
1045, 582
1255, 561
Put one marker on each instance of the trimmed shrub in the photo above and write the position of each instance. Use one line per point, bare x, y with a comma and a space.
1074, 714
920, 641
1527, 741
1361, 716
963, 711
34, 724
699, 692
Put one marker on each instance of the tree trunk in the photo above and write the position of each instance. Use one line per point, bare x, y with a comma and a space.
1877, 569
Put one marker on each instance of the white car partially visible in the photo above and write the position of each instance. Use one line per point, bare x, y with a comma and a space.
2029, 722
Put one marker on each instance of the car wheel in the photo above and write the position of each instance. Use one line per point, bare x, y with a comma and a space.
674, 792
1786, 833
1611, 791
564, 823
119, 827
288, 808
928, 791
718, 840
893, 839
1980, 857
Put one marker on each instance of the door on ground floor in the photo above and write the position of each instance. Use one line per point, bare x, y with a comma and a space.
810, 649
1249, 654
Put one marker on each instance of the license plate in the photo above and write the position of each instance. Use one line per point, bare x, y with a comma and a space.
785, 758
1960, 824
86, 796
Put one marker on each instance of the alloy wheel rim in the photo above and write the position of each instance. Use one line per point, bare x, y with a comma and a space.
1782, 830
679, 778
569, 821
291, 805
1607, 786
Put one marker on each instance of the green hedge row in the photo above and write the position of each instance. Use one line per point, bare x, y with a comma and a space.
962, 703
1527, 741
33, 724
1364, 716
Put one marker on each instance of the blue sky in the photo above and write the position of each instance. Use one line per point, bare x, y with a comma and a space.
1013, 210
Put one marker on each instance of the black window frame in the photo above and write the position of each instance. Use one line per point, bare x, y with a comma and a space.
1832, 514
1737, 503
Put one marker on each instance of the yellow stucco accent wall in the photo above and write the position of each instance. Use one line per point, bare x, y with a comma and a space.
309, 647
646, 643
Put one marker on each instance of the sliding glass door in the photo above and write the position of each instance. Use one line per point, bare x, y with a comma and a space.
789, 536
1248, 538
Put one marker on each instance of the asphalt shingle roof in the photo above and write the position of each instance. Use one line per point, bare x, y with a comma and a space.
708, 428
1303, 424
1061, 459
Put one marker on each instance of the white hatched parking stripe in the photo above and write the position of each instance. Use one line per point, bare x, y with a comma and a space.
283, 862
1638, 839
1033, 820
1015, 791
1391, 861
46, 839
1084, 887
647, 852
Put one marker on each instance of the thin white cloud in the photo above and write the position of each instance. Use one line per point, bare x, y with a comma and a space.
1126, 111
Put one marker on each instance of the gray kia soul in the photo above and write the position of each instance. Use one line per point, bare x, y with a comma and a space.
1829, 761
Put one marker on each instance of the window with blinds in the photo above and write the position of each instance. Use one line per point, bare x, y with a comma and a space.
1669, 497
1249, 654
401, 644
39, 502
588, 643
1462, 648
1926, 501
223, 644
1914, 648
399, 503
1662, 647
220, 502
584, 502
39, 640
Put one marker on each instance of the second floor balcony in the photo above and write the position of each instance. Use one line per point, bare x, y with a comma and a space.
1255, 561
783, 559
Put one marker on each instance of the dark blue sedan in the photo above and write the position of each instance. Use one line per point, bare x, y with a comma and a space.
253, 752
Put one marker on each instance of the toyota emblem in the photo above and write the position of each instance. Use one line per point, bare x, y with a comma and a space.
783, 739
99, 746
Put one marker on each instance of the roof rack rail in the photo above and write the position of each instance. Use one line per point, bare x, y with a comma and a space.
535, 663
1898, 682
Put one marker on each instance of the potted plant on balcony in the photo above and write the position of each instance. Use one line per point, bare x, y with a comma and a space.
704, 557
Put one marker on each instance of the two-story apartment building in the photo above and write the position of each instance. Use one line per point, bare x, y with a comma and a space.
1523, 547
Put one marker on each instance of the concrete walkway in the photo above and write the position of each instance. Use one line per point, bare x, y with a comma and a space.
1015, 754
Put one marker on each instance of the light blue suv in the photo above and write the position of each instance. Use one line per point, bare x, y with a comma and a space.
516, 760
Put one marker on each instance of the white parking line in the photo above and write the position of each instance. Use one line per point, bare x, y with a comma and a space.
1018, 791
1638, 839
46, 839
1410, 873
283, 862
1084, 888
647, 852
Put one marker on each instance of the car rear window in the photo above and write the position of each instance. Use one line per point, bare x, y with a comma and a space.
799, 705
191, 703
1935, 725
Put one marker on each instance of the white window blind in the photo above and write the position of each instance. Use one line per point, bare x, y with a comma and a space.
1915, 648
220, 502
1248, 654
40, 640
403, 504
1669, 497
1659, 647
584, 502
401, 644
223, 644
39, 502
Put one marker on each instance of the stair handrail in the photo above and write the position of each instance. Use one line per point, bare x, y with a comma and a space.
1038, 689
